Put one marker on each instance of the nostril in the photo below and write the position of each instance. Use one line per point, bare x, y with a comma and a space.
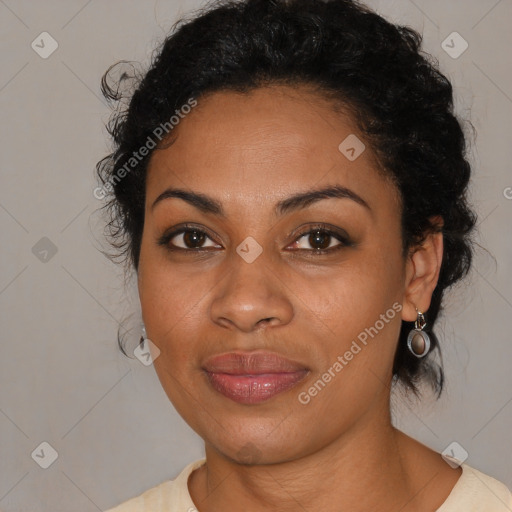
265, 320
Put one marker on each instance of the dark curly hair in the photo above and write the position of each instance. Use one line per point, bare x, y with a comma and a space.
402, 103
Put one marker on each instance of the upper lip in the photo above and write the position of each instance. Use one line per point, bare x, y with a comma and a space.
251, 363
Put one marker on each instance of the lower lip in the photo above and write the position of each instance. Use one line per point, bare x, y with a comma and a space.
253, 389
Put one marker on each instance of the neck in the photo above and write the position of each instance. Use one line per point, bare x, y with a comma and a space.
360, 470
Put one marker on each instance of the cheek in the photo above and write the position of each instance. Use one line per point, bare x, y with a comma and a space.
356, 315
354, 294
173, 310
167, 293
174, 306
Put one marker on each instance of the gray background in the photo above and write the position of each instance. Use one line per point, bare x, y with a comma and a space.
62, 378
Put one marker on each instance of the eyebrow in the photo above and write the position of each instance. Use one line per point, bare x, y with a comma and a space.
298, 201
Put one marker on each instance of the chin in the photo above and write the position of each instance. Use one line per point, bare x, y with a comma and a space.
257, 444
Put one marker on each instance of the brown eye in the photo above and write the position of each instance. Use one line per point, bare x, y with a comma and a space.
319, 239
188, 239
193, 239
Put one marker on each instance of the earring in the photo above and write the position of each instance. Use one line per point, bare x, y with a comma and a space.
418, 340
144, 336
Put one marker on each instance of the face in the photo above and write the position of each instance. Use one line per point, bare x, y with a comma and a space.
233, 265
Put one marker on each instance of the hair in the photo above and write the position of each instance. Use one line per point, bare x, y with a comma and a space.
402, 103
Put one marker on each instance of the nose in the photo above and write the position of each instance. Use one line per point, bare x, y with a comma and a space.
251, 297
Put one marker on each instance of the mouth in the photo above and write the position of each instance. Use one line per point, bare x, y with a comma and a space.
254, 389
252, 378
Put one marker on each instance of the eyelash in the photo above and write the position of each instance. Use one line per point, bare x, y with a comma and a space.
165, 239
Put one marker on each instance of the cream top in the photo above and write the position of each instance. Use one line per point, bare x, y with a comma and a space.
473, 492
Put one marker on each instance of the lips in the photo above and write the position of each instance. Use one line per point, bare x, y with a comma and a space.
255, 377
240, 363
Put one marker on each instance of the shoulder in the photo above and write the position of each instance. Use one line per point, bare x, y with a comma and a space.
168, 496
477, 492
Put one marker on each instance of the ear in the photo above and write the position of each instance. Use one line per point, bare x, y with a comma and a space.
422, 273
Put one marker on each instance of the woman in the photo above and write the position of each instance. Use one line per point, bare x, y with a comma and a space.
289, 184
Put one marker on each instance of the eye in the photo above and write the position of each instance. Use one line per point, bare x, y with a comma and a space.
318, 240
187, 239
321, 240
191, 239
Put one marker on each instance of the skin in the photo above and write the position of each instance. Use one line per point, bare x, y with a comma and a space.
248, 152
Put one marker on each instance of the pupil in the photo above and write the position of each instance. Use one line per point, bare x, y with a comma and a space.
191, 238
318, 238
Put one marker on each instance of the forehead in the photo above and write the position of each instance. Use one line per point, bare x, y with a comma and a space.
269, 142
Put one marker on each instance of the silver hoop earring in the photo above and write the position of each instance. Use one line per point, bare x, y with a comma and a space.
418, 340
